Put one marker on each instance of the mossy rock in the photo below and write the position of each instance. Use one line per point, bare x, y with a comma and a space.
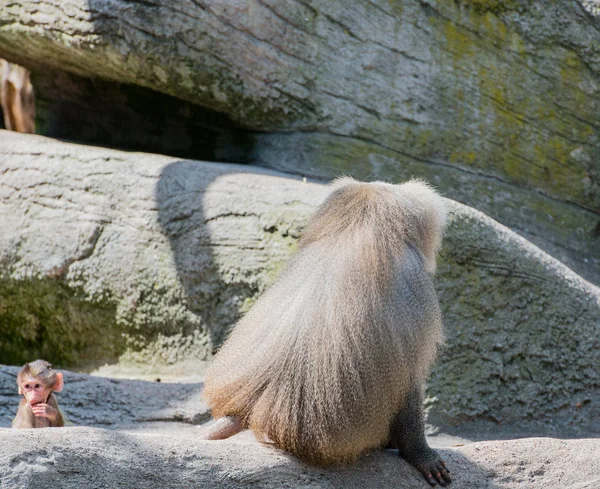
45, 318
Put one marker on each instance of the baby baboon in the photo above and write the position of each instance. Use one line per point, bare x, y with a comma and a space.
333, 358
37, 382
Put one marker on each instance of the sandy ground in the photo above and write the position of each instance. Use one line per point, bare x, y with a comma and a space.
79, 457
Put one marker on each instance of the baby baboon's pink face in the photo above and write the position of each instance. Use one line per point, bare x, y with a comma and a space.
34, 391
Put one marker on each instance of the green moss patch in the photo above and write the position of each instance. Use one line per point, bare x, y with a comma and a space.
44, 318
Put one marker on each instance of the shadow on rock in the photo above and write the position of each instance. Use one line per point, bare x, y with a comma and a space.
228, 237
112, 403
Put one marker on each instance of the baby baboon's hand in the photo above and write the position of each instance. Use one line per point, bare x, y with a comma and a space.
45, 411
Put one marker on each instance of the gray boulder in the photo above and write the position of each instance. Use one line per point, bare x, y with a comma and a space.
169, 251
107, 254
496, 102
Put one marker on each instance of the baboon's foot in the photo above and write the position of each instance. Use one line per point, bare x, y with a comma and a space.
431, 465
223, 428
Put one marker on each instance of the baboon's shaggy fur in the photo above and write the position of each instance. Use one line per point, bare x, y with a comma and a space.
323, 361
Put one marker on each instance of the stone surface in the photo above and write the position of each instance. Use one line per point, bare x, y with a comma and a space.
522, 334
171, 251
92, 457
497, 102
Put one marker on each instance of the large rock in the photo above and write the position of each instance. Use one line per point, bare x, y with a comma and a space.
497, 102
522, 334
91, 457
169, 252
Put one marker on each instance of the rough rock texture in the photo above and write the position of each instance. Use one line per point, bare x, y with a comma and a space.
522, 334
172, 250
115, 403
169, 252
592, 6
318, 66
497, 102
92, 457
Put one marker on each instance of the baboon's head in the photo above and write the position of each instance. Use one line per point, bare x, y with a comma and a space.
411, 212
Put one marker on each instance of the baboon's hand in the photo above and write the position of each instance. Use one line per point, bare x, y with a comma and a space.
432, 467
45, 411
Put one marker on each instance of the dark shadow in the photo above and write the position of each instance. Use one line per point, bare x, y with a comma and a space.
180, 194
481, 430
130, 117
179, 199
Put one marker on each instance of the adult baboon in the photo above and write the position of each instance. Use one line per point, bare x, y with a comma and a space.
333, 358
